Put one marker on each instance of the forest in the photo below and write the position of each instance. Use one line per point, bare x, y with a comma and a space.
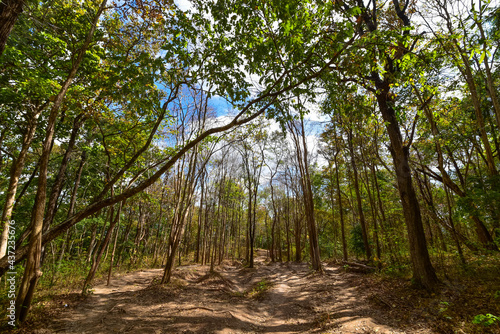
256, 150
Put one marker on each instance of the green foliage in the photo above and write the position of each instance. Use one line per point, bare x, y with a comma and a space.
486, 320
356, 240
483, 197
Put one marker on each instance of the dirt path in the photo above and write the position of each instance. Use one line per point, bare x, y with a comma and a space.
274, 298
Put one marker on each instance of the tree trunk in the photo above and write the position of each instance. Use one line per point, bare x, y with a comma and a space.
9, 12
15, 173
298, 232
361, 214
373, 208
200, 220
423, 271
454, 231
111, 262
32, 272
104, 245
302, 159
250, 227
59, 179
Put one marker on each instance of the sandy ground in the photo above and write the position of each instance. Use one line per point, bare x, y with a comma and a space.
271, 298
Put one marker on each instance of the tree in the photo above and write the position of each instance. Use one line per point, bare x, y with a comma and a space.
252, 162
384, 52
299, 140
32, 272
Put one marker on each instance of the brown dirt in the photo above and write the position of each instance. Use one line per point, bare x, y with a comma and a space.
271, 298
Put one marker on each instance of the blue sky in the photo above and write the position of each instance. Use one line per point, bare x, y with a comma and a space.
220, 105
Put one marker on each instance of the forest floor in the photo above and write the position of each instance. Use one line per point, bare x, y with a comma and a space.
270, 298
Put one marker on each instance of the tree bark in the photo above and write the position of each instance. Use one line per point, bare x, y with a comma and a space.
361, 214
15, 173
423, 271
9, 12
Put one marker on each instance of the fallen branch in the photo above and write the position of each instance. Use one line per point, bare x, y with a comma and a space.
194, 308
359, 267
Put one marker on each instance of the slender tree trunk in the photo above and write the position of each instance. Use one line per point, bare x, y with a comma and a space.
298, 232
361, 214
341, 212
452, 224
250, 227
125, 238
287, 228
111, 262
373, 210
104, 245
15, 173
200, 215
59, 180
302, 158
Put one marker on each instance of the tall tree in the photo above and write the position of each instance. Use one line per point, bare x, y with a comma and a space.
299, 138
385, 46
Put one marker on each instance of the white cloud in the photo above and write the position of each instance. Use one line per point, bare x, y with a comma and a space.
184, 5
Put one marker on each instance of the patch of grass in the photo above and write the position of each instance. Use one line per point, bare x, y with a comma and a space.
259, 289
322, 320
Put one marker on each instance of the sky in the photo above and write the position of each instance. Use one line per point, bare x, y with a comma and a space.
313, 120
183, 4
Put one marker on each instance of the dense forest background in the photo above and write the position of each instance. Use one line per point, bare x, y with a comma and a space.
150, 133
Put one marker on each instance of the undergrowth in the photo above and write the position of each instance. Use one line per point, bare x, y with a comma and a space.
59, 285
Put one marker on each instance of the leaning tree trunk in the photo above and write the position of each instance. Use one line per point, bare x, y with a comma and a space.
71, 208
61, 175
32, 271
483, 234
15, 173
